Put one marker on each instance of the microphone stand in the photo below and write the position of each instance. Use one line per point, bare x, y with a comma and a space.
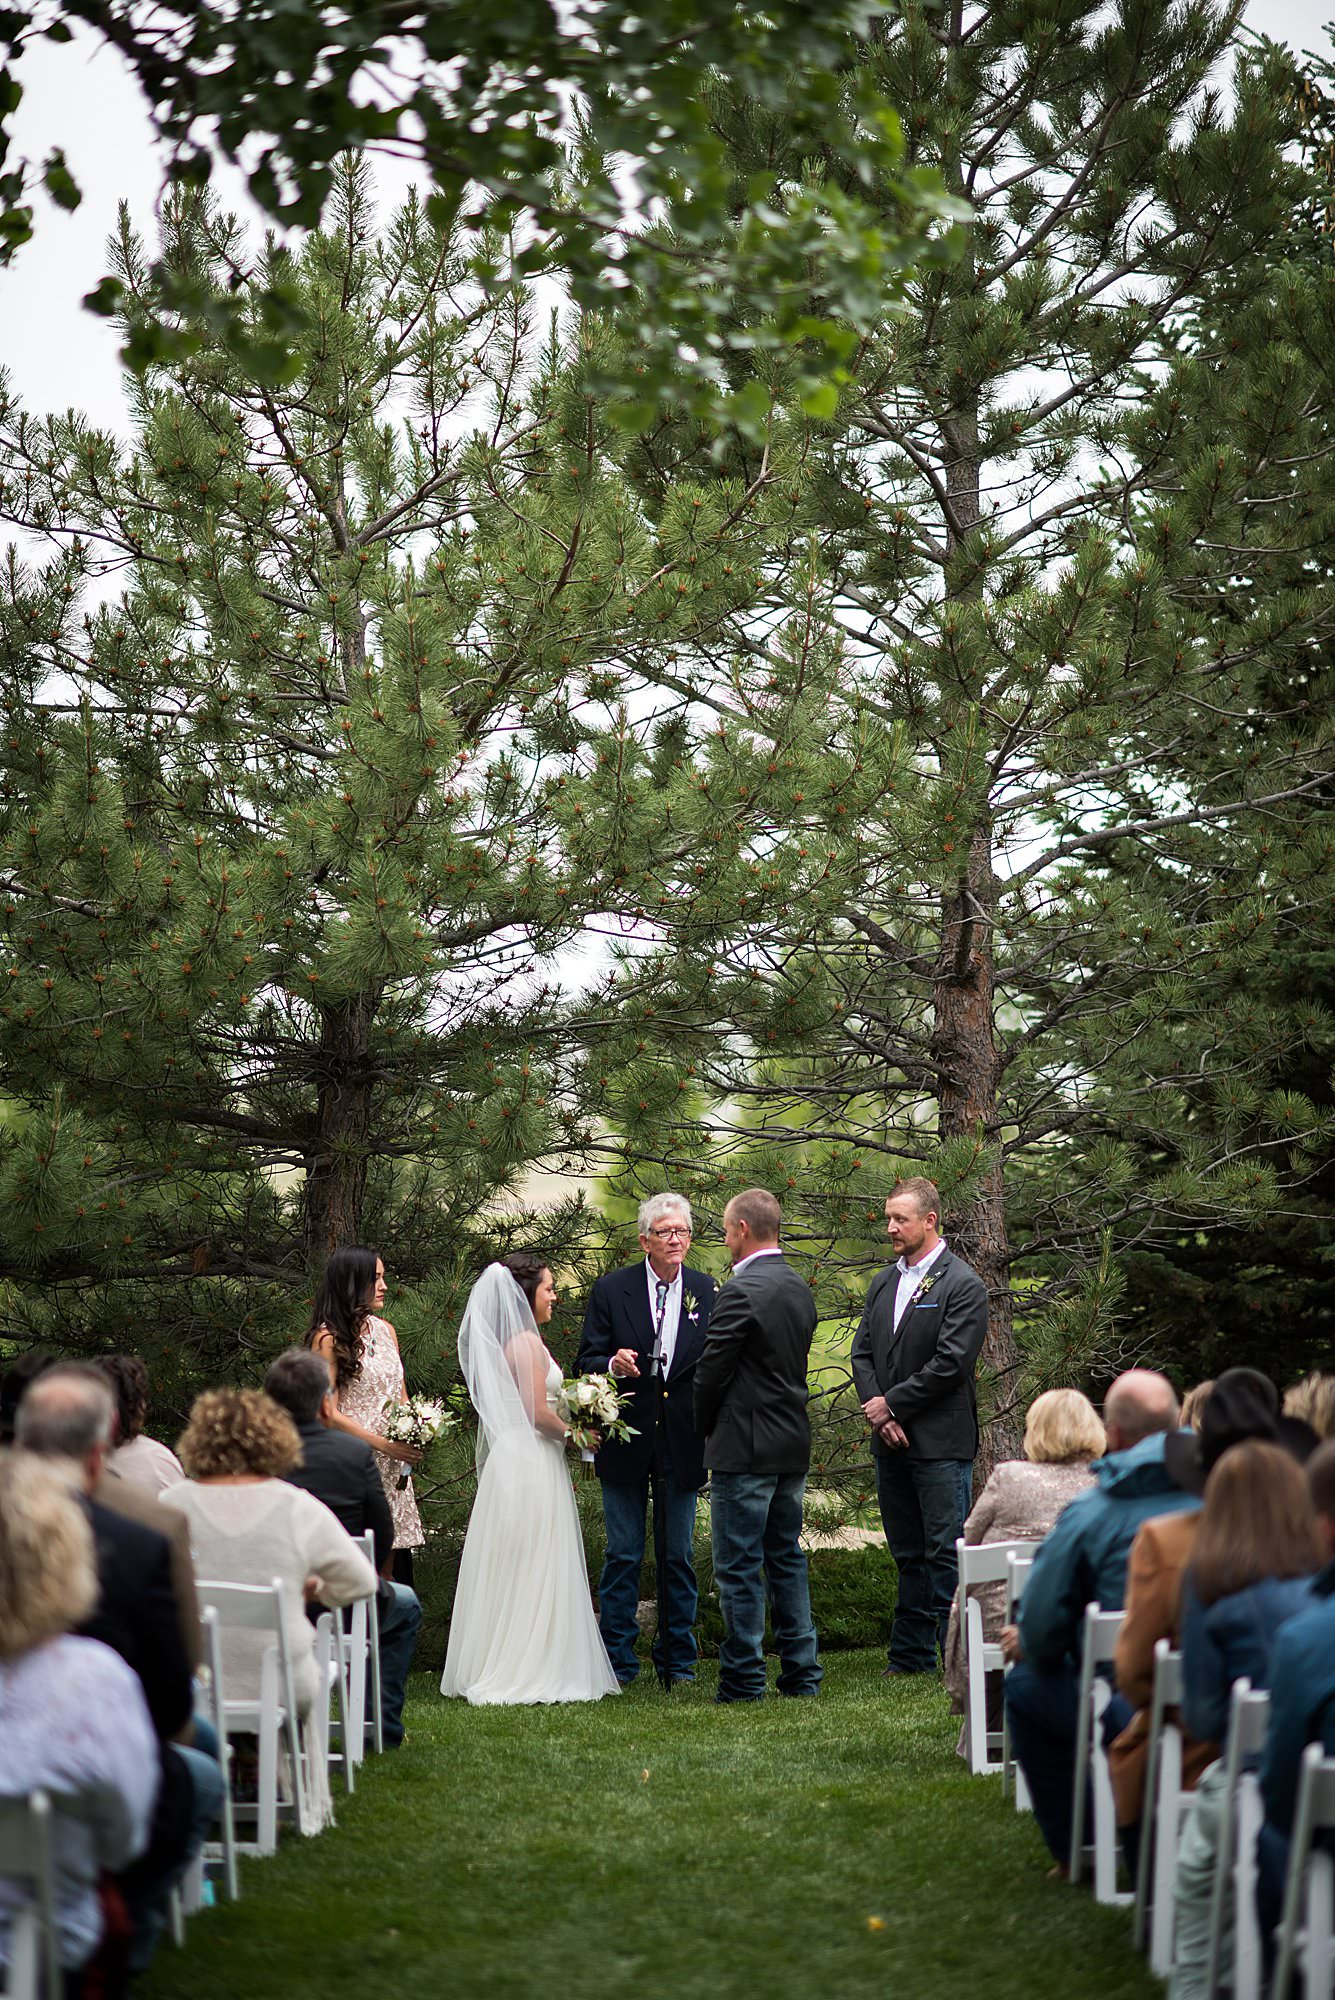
658, 1495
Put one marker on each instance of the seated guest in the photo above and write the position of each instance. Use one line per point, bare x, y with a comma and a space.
1193, 1403
340, 1470
1313, 1401
1302, 1699
1083, 1561
248, 1525
1020, 1503
136, 1457
66, 1418
73, 1719
1256, 1547
1243, 1404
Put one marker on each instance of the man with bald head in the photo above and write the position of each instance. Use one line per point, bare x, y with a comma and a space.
1083, 1560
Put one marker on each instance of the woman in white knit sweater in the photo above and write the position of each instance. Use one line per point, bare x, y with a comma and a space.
248, 1525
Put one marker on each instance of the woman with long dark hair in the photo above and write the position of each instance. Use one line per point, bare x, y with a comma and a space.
362, 1350
522, 1628
1256, 1549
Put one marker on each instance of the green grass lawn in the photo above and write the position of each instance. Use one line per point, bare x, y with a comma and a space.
662, 1847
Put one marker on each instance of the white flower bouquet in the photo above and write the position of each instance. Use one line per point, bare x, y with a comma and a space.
591, 1405
418, 1422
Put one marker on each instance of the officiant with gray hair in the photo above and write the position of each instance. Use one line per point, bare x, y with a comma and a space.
645, 1325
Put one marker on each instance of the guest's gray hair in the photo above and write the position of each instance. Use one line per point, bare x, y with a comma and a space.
66, 1413
657, 1209
299, 1379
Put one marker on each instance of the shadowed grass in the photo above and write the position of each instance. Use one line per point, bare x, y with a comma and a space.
668, 1847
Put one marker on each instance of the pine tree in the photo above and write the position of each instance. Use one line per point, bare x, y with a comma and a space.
1026, 788
294, 690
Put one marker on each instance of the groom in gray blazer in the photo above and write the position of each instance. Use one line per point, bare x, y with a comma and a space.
914, 1356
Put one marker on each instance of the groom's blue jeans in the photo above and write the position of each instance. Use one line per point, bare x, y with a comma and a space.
625, 1510
757, 1527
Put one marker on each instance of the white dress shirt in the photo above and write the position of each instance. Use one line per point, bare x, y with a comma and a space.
910, 1280
666, 1335
770, 1250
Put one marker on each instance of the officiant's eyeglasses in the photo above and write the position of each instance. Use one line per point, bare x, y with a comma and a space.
674, 1229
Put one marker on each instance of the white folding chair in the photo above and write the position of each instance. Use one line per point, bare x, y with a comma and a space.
1239, 1825
1307, 1927
1161, 1815
25, 1858
273, 1716
1091, 1759
984, 1562
361, 1656
330, 1666
1018, 1567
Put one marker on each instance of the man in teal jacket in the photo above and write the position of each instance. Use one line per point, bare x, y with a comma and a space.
1083, 1561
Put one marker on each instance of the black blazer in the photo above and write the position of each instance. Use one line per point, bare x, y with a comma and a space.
926, 1370
137, 1614
619, 1315
751, 1380
341, 1471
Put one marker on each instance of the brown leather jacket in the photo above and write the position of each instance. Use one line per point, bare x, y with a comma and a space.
1159, 1555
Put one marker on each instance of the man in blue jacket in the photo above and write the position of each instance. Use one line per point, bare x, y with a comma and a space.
1083, 1561
1302, 1701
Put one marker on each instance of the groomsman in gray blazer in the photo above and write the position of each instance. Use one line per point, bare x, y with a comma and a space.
914, 1356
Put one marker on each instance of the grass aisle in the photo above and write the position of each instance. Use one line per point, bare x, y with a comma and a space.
668, 1848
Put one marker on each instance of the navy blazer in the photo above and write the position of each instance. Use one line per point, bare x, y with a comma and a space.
925, 1371
619, 1315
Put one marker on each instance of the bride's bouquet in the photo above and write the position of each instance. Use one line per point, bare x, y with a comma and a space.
591, 1405
418, 1422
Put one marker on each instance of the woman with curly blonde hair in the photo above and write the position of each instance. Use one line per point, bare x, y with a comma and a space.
72, 1714
248, 1525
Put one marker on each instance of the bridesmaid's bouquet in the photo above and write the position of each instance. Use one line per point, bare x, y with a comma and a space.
418, 1422
591, 1405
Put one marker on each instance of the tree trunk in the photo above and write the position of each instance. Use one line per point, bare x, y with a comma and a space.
968, 1070
964, 1045
336, 1158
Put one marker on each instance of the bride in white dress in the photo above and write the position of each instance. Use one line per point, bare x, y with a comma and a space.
523, 1628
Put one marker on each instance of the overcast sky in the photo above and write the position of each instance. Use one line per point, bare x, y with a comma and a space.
56, 353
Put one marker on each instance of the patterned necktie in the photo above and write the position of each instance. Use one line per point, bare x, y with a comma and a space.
660, 1308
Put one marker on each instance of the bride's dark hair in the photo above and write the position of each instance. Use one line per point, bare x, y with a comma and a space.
342, 1306
526, 1268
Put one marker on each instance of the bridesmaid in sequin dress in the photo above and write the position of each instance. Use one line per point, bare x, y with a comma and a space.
362, 1350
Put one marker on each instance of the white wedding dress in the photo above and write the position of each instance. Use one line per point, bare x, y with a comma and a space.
523, 1628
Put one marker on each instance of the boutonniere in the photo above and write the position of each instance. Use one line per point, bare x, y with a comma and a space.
925, 1287
692, 1306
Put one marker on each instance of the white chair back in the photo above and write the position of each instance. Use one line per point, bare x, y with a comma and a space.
25, 1857
1235, 1858
1308, 1925
983, 1562
250, 1607
1162, 1812
361, 1657
1091, 1760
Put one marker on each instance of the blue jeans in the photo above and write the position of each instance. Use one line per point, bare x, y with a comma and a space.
625, 1509
757, 1525
147, 1903
923, 1505
400, 1613
1043, 1707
